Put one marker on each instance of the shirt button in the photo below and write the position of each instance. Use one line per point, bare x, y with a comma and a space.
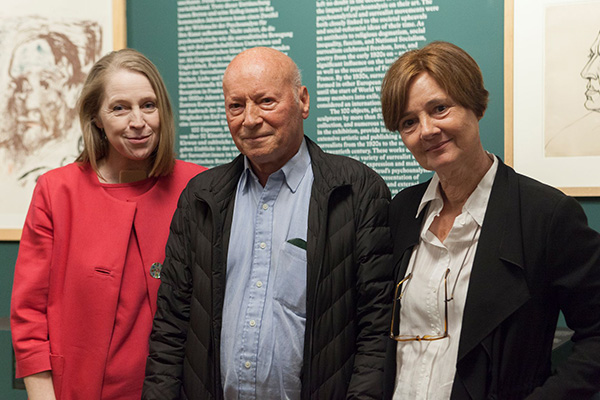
265, 206
263, 245
253, 323
259, 284
247, 364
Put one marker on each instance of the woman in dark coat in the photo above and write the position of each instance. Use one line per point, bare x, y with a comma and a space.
485, 258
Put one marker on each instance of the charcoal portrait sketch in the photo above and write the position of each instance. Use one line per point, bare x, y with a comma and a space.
591, 72
572, 81
43, 64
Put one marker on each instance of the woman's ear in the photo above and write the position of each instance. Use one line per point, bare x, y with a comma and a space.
482, 114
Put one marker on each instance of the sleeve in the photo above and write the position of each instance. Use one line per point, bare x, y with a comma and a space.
29, 301
374, 280
164, 366
574, 254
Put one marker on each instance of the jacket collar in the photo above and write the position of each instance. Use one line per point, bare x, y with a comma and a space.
221, 182
226, 176
325, 168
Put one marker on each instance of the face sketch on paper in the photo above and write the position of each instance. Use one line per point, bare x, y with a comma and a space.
577, 132
45, 64
591, 73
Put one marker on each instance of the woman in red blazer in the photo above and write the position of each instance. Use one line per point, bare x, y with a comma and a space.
90, 256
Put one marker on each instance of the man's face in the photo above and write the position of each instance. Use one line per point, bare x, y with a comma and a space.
591, 72
37, 105
265, 111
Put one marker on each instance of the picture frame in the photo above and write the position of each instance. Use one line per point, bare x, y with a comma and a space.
552, 107
48, 49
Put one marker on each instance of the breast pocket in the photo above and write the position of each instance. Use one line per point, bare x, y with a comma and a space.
290, 279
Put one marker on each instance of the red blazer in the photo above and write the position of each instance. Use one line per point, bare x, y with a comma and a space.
69, 269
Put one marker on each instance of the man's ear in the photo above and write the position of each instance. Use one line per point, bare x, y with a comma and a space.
304, 101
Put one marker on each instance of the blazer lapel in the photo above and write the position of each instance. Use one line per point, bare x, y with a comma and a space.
405, 225
404, 245
497, 287
150, 231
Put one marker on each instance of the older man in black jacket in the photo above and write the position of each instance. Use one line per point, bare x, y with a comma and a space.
237, 320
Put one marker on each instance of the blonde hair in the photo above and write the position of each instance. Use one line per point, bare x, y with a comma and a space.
451, 67
95, 146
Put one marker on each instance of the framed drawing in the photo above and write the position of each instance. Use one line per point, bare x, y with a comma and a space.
553, 122
46, 51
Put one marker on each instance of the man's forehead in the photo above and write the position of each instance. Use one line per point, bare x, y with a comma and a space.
257, 79
259, 60
257, 69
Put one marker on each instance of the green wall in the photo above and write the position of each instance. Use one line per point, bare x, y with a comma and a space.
8, 257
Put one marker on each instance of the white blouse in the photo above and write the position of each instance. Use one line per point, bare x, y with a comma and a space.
426, 369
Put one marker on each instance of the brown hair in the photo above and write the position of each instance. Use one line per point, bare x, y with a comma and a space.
92, 96
451, 67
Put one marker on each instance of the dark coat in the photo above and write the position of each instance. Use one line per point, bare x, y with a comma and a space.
536, 255
348, 285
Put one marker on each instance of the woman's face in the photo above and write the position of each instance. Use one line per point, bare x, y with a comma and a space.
439, 133
130, 118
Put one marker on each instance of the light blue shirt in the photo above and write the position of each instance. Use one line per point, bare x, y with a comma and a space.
264, 313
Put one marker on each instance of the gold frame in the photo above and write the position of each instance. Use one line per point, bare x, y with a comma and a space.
508, 102
10, 234
119, 24
119, 42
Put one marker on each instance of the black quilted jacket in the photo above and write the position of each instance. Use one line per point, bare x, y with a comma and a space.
348, 285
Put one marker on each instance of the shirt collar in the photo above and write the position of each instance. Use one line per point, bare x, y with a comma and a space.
477, 202
431, 194
475, 205
293, 171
